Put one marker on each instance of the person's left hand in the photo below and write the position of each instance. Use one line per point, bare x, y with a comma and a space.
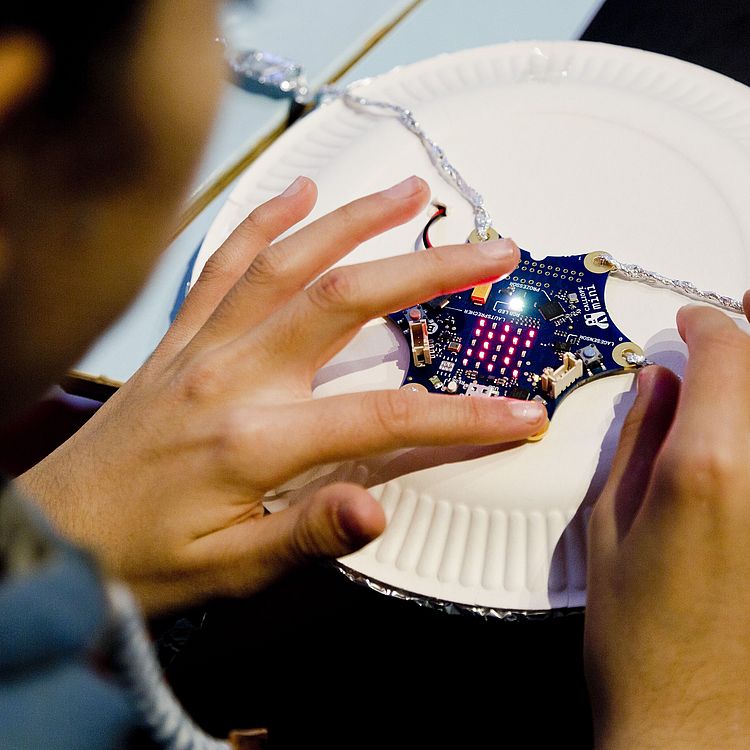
166, 482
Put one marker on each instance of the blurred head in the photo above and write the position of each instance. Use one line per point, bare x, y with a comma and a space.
104, 108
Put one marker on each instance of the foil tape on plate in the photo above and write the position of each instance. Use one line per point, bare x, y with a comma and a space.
454, 608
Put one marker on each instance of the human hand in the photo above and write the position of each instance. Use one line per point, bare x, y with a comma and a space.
165, 483
667, 639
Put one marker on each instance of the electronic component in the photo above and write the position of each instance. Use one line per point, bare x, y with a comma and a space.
519, 393
573, 298
420, 340
480, 294
590, 355
551, 310
435, 380
454, 346
562, 346
554, 382
482, 390
447, 366
438, 303
452, 386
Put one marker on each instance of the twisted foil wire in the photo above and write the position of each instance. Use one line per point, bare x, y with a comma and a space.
438, 157
482, 219
633, 272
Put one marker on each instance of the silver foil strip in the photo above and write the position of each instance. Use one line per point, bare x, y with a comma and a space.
454, 608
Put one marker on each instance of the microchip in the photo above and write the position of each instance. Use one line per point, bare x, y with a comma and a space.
454, 346
519, 393
562, 346
551, 310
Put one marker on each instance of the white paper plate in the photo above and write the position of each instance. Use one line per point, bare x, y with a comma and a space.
576, 147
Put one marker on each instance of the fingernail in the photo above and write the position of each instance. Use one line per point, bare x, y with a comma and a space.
294, 188
497, 249
526, 411
643, 380
404, 189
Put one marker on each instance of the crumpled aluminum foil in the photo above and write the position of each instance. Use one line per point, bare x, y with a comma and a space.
453, 608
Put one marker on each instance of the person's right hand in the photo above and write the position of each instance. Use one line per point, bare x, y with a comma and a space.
165, 483
667, 640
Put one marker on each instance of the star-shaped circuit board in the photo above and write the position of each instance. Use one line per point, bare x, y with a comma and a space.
537, 334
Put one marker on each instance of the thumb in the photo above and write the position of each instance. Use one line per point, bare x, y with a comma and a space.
335, 521
643, 433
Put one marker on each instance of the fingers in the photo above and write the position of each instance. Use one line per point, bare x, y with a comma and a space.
719, 360
288, 266
746, 304
337, 520
359, 424
643, 433
231, 260
318, 322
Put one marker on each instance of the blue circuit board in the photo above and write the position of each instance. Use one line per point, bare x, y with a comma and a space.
538, 334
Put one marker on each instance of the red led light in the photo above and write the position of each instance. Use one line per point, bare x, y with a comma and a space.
527, 344
490, 335
502, 337
506, 328
515, 373
511, 350
466, 362
481, 355
490, 368
532, 333
468, 352
506, 361
482, 322
515, 339
486, 344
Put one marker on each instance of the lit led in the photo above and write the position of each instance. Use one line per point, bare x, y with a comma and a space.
494, 357
532, 333
506, 361
482, 322
515, 303
466, 362
515, 373
468, 352
506, 328
515, 340
478, 332
527, 344
511, 350
481, 355
490, 368
490, 335
502, 337
486, 345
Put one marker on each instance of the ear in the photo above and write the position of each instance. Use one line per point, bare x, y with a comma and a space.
22, 71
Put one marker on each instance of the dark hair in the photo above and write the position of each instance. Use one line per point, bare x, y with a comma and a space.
74, 127
79, 37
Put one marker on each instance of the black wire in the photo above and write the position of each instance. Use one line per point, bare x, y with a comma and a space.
441, 212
